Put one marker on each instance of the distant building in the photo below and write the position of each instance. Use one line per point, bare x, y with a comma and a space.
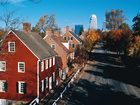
55, 42
93, 22
78, 29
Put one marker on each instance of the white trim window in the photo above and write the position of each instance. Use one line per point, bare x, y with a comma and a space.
46, 64
21, 67
42, 66
21, 87
50, 62
11, 46
73, 45
43, 89
53, 61
50, 83
3, 86
2, 65
47, 82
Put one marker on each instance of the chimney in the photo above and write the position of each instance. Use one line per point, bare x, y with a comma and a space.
67, 29
26, 27
49, 31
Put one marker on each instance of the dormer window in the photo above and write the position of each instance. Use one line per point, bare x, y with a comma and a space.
11, 46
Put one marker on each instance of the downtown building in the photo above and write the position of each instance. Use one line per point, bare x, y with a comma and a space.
93, 22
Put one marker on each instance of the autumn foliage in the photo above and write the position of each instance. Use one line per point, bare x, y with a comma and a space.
92, 37
117, 40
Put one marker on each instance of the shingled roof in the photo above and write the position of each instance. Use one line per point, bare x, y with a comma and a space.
75, 36
36, 44
58, 41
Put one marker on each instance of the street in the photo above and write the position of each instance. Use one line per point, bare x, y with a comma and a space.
105, 80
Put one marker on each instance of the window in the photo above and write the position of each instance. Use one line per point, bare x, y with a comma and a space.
42, 66
47, 64
50, 83
2, 65
42, 85
65, 38
71, 38
73, 45
3, 86
21, 87
53, 46
11, 46
46, 82
53, 60
50, 63
21, 67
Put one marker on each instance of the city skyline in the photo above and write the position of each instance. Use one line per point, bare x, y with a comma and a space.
70, 12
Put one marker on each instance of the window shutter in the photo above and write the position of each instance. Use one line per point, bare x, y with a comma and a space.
24, 86
44, 85
5, 86
17, 87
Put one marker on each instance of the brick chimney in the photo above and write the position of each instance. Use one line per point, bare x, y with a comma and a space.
26, 27
67, 29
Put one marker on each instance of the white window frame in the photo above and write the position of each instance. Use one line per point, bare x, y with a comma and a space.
20, 91
50, 83
47, 81
42, 65
19, 70
3, 66
42, 86
46, 66
9, 47
2, 85
50, 62
53, 61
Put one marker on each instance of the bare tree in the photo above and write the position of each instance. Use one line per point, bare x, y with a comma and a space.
10, 21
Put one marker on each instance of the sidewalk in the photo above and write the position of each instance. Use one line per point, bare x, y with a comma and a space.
52, 96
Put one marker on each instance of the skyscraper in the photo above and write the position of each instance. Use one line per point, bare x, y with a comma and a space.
93, 22
78, 29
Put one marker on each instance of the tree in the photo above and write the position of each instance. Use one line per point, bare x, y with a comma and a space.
114, 19
44, 23
117, 40
124, 26
136, 25
10, 21
92, 37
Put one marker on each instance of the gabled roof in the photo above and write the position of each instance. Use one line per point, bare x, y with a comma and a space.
77, 38
58, 41
36, 44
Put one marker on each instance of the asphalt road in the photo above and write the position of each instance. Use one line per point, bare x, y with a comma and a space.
105, 80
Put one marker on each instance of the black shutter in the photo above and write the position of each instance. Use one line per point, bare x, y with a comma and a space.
24, 87
17, 87
44, 85
5, 86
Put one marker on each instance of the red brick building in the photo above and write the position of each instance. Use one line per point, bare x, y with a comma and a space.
55, 42
27, 67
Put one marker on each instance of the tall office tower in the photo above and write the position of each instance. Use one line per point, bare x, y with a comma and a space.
78, 29
93, 22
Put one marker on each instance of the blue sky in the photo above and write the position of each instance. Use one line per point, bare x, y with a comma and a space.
71, 12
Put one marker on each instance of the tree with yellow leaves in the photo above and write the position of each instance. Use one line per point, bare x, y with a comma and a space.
92, 37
